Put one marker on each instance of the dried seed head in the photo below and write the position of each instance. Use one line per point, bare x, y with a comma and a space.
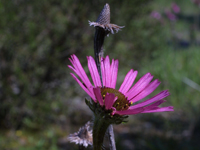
83, 136
103, 21
104, 16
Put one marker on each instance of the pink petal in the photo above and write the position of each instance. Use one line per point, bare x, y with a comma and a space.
154, 105
109, 100
103, 71
107, 71
97, 92
73, 69
157, 97
93, 71
128, 81
91, 94
139, 86
114, 71
78, 69
71, 61
149, 89
130, 111
77, 65
169, 108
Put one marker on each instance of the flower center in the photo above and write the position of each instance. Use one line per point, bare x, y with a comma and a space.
121, 103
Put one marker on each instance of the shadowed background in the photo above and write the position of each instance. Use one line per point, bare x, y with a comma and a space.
41, 104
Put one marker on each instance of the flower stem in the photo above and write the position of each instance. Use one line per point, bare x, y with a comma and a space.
111, 137
98, 48
99, 130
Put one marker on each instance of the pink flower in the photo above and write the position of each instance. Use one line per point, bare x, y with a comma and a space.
118, 101
170, 15
175, 8
196, 2
156, 15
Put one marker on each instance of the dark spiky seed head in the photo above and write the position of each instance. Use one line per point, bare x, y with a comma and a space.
104, 16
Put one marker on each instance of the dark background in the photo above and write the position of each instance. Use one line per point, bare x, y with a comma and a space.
41, 104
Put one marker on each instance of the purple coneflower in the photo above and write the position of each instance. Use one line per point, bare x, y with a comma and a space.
111, 106
119, 101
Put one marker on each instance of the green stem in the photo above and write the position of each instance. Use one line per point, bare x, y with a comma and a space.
99, 129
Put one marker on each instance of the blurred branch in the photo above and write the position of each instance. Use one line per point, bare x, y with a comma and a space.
191, 83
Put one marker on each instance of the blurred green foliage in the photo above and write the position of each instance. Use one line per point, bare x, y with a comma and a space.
37, 37
38, 97
173, 67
